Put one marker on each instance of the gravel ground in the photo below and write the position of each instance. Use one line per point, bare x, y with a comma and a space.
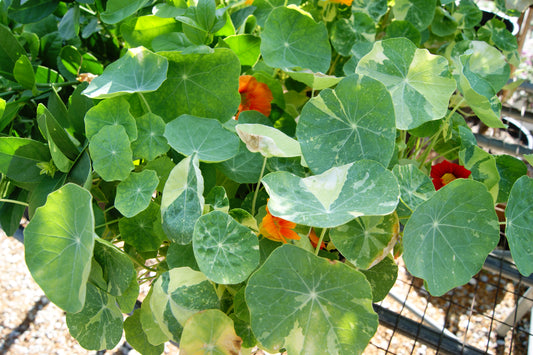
30, 324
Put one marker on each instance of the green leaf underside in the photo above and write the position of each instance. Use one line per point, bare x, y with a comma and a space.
135, 192
19, 158
182, 202
144, 230
204, 85
59, 244
139, 70
449, 236
111, 153
210, 332
177, 295
519, 231
98, 325
420, 83
353, 122
268, 141
366, 240
204, 136
326, 308
291, 39
334, 197
226, 251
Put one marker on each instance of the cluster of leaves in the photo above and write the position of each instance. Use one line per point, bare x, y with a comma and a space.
144, 176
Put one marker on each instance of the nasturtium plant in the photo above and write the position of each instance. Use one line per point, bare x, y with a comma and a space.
253, 164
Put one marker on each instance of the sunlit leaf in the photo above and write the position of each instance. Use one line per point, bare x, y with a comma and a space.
135, 192
111, 153
327, 306
59, 242
449, 236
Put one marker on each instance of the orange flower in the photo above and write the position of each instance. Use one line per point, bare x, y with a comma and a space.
249, 2
344, 2
277, 229
314, 239
254, 95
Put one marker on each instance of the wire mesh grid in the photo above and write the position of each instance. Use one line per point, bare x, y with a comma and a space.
489, 315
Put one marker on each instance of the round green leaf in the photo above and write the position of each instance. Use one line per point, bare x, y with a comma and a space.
353, 122
135, 192
162, 165
150, 141
204, 136
178, 294
519, 231
59, 242
182, 202
144, 230
495, 33
210, 332
373, 8
448, 237
111, 153
405, 29
326, 308
181, 255
227, 252
112, 112
419, 12
291, 39
139, 70
443, 23
268, 141
98, 325
244, 167
366, 240
419, 82
334, 197
204, 85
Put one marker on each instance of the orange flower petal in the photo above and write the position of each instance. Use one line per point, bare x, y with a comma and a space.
254, 95
277, 229
314, 239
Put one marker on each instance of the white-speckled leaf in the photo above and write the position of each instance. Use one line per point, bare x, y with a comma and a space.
310, 305
366, 240
178, 294
483, 168
519, 231
182, 202
226, 251
353, 122
448, 237
415, 188
334, 197
268, 141
98, 325
419, 82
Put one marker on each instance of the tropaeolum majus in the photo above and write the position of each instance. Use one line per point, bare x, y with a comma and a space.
144, 175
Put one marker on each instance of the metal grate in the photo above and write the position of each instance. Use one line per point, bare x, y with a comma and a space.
489, 315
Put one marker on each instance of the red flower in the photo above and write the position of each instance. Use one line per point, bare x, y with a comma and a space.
445, 172
277, 229
254, 95
314, 240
